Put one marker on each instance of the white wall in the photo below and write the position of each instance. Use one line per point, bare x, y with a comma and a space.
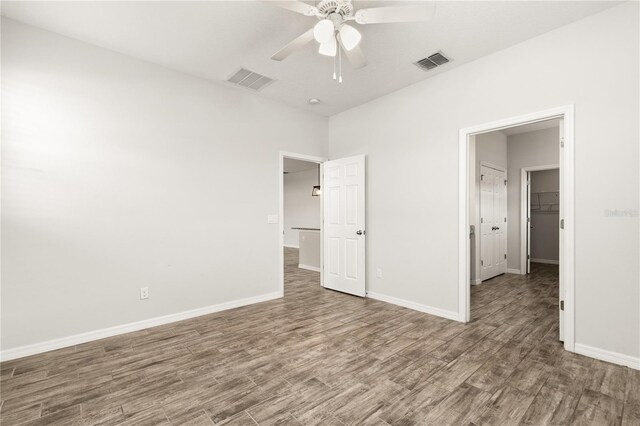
301, 210
488, 148
118, 174
539, 148
410, 138
309, 254
491, 148
545, 221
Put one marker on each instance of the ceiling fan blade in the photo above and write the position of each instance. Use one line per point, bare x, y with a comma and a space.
355, 55
384, 15
294, 45
295, 6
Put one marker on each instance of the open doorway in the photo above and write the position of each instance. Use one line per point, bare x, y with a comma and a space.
518, 173
339, 227
495, 197
540, 216
301, 220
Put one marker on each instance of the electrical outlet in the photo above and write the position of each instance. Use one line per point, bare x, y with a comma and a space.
379, 272
144, 293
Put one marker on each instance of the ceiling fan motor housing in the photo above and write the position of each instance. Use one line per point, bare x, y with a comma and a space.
341, 8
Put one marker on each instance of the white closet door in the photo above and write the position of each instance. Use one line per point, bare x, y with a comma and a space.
493, 223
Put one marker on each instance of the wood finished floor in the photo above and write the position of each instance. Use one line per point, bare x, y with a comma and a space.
321, 357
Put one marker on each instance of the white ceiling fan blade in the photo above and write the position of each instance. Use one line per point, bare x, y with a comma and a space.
384, 15
355, 55
294, 45
295, 6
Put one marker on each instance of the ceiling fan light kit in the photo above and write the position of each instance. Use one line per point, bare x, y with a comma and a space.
335, 36
350, 36
329, 48
323, 31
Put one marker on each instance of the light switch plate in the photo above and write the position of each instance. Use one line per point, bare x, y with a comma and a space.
272, 218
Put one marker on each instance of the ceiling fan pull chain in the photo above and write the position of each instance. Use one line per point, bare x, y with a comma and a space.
340, 63
334, 67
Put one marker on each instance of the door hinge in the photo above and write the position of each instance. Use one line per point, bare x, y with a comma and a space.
505, 220
505, 255
561, 142
481, 177
481, 220
505, 181
482, 262
562, 305
528, 257
561, 223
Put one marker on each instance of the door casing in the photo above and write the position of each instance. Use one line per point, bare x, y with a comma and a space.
567, 238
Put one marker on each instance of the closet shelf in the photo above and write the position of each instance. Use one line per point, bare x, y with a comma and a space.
548, 207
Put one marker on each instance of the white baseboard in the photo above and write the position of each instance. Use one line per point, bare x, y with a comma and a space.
291, 246
310, 268
514, 271
415, 306
609, 356
476, 282
77, 339
548, 261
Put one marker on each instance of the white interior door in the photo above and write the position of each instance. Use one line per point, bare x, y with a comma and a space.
493, 222
343, 190
561, 239
528, 213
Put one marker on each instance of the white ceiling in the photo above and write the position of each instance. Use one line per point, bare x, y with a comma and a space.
532, 127
214, 39
293, 166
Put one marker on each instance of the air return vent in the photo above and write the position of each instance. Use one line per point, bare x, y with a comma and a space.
250, 80
432, 61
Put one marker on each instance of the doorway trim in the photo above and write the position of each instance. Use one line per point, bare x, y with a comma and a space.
523, 210
565, 112
311, 159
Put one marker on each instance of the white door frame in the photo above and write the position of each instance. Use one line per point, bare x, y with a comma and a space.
303, 157
523, 210
567, 233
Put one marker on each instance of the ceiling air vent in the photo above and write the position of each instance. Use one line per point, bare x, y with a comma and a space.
249, 79
432, 61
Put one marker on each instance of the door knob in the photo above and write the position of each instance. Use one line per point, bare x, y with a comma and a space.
359, 232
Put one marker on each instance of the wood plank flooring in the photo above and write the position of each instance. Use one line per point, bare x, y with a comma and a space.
322, 357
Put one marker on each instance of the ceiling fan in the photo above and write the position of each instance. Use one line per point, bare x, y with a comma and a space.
333, 33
